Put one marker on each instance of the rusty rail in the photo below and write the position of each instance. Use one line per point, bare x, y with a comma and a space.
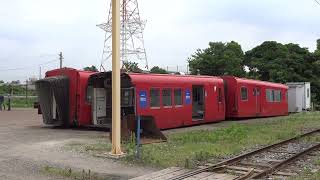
243, 156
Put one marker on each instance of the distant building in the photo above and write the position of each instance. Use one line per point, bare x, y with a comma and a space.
17, 82
299, 96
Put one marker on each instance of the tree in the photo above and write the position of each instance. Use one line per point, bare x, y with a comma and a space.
1, 81
218, 59
317, 51
272, 61
158, 70
132, 67
92, 68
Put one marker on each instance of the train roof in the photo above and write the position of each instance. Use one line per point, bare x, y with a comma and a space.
171, 78
54, 71
256, 82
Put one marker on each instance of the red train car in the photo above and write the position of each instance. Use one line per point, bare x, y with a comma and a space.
170, 100
71, 97
61, 97
247, 98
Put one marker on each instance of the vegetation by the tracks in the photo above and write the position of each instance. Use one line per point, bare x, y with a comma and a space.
17, 90
74, 174
190, 148
22, 102
308, 173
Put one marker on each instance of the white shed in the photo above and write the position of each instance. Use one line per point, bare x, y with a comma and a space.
299, 96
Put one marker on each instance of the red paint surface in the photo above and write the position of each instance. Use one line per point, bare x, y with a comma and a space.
173, 117
255, 106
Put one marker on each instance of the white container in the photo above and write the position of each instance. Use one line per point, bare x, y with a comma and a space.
299, 96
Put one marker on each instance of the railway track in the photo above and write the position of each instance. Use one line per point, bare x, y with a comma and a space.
264, 163
271, 162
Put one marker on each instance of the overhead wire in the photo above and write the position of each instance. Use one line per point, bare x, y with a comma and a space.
317, 2
28, 67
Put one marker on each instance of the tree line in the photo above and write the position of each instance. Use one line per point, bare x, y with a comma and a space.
271, 61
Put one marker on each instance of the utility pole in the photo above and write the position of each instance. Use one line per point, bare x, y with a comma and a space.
26, 92
39, 72
60, 58
116, 107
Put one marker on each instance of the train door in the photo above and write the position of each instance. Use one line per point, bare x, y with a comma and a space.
257, 95
99, 106
198, 104
220, 100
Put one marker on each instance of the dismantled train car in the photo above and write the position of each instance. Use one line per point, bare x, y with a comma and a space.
171, 101
71, 97
61, 97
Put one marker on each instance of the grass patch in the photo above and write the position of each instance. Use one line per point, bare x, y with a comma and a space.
307, 174
76, 175
191, 148
93, 148
21, 102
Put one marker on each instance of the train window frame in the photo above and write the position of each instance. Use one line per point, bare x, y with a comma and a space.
174, 97
170, 98
157, 106
241, 95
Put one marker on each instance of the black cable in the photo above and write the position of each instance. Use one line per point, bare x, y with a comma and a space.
28, 67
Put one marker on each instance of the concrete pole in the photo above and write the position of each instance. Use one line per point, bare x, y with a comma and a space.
116, 87
60, 59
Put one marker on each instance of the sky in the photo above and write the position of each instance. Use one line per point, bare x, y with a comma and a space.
33, 32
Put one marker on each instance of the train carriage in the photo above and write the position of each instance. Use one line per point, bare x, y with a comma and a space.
71, 97
62, 97
171, 100
247, 98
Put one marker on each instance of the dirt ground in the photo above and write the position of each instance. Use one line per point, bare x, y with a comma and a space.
27, 146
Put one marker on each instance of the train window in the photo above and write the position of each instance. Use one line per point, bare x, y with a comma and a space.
277, 95
154, 97
166, 97
308, 92
220, 95
127, 97
178, 97
244, 94
89, 94
269, 95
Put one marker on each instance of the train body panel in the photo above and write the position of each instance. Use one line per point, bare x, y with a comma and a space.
79, 110
176, 101
251, 98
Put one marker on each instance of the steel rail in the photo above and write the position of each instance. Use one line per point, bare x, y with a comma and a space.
285, 162
240, 157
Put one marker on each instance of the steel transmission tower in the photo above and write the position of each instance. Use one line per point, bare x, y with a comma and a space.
131, 36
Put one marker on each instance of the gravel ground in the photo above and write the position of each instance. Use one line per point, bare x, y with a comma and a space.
26, 146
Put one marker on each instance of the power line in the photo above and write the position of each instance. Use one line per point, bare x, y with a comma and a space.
317, 2
28, 67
